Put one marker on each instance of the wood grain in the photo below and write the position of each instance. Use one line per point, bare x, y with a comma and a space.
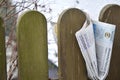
71, 63
32, 46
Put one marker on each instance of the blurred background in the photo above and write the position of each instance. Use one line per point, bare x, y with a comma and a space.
11, 9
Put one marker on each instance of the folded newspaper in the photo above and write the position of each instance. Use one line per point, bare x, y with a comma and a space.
95, 40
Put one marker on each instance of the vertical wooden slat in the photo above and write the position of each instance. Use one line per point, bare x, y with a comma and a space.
71, 63
3, 73
32, 46
111, 14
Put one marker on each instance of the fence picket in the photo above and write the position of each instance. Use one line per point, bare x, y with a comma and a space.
3, 74
71, 63
111, 14
32, 46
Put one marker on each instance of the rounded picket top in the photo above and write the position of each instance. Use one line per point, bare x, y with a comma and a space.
111, 14
32, 46
31, 13
107, 11
3, 72
71, 62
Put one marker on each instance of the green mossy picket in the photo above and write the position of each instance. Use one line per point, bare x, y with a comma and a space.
3, 73
71, 63
32, 46
111, 14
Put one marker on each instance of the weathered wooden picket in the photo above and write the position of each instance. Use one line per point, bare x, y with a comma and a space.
71, 63
2, 51
111, 14
33, 51
32, 46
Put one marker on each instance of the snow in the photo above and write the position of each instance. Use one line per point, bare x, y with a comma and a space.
92, 7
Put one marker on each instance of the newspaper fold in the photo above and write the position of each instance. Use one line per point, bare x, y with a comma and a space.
95, 40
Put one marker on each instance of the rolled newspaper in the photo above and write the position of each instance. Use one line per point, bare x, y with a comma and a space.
95, 40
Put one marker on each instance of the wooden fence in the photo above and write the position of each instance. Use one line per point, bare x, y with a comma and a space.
71, 63
33, 50
111, 14
2, 52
